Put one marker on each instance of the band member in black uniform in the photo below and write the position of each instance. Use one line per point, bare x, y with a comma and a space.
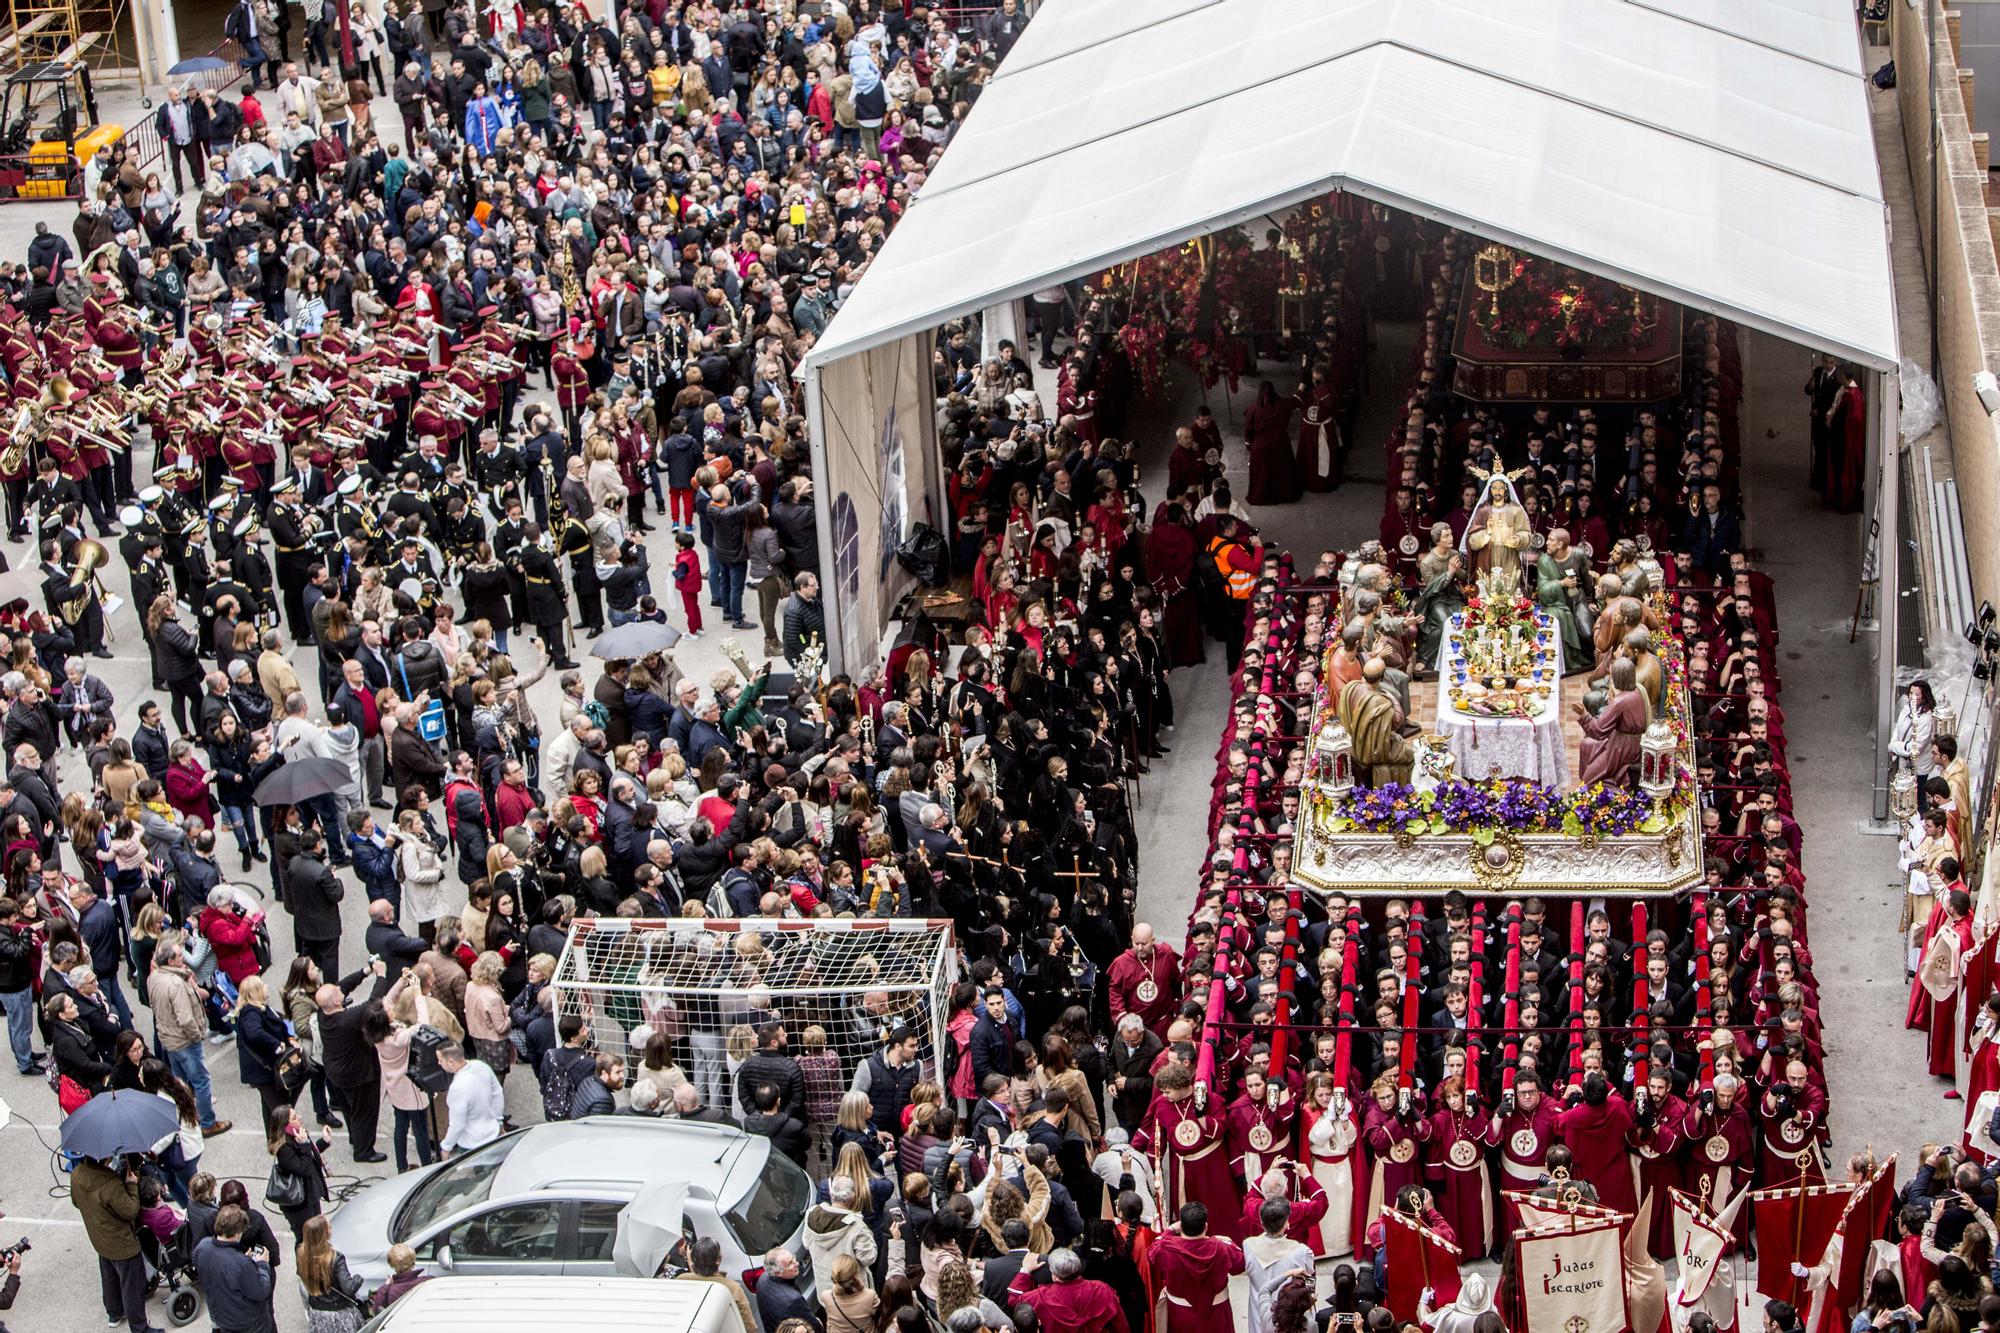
291, 534
547, 607
72, 600
573, 541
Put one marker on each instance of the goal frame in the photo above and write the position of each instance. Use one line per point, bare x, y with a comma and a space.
573, 984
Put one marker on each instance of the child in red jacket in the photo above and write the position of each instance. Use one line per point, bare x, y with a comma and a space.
687, 578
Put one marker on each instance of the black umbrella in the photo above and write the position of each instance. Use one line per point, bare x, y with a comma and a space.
112, 1124
302, 779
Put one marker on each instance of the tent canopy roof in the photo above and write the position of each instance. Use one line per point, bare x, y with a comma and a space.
1714, 153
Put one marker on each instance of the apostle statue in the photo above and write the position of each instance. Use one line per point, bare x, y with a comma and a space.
1562, 586
1367, 708
1647, 668
1444, 594
1611, 739
1499, 530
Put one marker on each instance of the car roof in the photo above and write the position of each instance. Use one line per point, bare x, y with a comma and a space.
617, 1154
550, 1304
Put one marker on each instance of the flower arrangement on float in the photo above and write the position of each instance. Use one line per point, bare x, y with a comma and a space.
1544, 304
1481, 810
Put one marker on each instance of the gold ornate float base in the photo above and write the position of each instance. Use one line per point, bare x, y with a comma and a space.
1385, 865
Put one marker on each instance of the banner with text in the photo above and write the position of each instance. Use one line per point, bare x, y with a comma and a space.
1573, 1278
1699, 1244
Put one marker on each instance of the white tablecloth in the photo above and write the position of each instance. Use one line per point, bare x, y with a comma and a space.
1507, 747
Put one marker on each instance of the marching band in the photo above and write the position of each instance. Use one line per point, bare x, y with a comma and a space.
399, 441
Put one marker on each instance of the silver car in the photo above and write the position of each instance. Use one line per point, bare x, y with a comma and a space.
547, 1199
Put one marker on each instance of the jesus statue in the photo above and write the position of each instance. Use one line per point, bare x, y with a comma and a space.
1499, 530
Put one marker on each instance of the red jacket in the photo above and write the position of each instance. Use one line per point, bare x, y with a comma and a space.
512, 804
231, 934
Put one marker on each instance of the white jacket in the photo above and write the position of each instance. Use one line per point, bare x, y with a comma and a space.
831, 1232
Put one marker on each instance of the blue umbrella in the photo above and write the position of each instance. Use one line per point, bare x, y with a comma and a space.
197, 65
112, 1124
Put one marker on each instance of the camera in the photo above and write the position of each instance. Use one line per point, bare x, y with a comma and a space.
19, 1247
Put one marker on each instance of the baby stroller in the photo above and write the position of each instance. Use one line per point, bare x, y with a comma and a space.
173, 1265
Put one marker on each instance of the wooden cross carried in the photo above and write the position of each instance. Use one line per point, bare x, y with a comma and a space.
1076, 873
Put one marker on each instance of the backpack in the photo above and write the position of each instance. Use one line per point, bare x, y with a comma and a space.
566, 1067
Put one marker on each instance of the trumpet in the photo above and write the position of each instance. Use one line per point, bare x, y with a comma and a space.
517, 330
78, 431
338, 440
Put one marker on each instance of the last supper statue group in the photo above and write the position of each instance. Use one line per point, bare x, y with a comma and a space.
1602, 621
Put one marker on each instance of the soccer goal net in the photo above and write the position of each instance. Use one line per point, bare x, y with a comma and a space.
838, 986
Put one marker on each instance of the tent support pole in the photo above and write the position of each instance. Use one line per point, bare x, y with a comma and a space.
1888, 569
829, 577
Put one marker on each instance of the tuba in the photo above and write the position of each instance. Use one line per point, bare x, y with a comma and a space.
14, 455
89, 557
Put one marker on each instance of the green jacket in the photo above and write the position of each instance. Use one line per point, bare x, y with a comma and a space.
743, 712
110, 1207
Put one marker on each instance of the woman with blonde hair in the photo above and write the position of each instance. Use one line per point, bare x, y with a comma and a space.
333, 1294
738, 1045
957, 1289
851, 1303
487, 1020
871, 1192
261, 1038
603, 479
850, 1124
426, 897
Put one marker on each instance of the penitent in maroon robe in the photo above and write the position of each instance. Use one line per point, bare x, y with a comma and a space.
1595, 1137
1939, 1017
1193, 1159
1192, 1273
1170, 556
1319, 436
1274, 473
1983, 1077
1460, 1184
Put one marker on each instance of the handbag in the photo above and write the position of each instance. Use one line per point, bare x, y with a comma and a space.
283, 1189
291, 1067
70, 1094
430, 722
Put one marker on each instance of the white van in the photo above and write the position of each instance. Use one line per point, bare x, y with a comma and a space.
560, 1305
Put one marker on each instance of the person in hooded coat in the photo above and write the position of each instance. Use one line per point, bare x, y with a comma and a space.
1170, 557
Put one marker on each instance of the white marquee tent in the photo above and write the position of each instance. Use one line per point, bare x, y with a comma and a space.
1717, 153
